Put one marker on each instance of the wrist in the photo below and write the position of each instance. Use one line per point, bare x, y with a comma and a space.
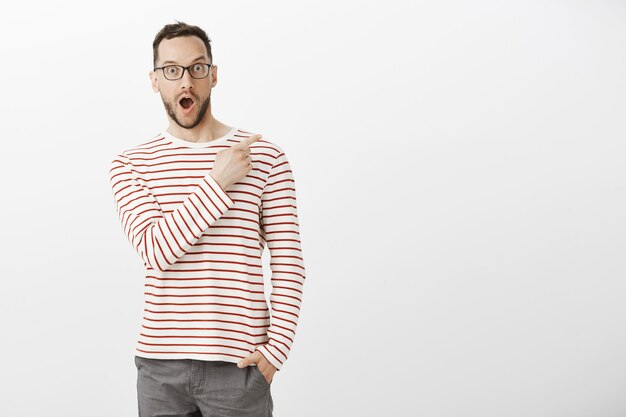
218, 180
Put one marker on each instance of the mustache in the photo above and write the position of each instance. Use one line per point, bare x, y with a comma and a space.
195, 98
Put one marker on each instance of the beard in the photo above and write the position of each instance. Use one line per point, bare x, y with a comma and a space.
171, 110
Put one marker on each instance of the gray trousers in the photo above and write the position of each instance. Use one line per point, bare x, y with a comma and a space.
189, 387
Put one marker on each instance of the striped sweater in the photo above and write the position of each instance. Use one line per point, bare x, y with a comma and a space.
201, 247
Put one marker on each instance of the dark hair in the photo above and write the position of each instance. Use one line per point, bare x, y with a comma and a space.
179, 29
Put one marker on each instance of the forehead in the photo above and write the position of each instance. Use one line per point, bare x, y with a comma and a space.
181, 50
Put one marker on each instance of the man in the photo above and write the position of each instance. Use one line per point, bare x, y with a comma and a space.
198, 202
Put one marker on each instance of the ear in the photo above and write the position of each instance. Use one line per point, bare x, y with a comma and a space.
154, 81
213, 75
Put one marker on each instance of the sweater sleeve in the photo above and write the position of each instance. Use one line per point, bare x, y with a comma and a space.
279, 228
162, 238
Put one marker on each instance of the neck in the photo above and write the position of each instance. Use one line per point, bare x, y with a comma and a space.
208, 129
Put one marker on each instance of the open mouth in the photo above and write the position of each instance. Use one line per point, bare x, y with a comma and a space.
186, 103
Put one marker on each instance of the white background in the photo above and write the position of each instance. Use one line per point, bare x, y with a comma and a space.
461, 193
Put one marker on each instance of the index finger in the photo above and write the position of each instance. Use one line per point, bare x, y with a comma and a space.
247, 141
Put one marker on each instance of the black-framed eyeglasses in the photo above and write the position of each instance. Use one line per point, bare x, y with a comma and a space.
176, 72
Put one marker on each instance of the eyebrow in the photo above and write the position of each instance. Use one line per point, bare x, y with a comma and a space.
174, 62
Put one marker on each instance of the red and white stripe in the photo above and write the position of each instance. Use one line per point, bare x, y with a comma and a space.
202, 245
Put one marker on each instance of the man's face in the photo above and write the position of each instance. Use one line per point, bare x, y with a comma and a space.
184, 50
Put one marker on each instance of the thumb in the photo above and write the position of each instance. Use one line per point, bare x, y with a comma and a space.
247, 141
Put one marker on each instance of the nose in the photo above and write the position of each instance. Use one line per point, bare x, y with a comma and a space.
186, 80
